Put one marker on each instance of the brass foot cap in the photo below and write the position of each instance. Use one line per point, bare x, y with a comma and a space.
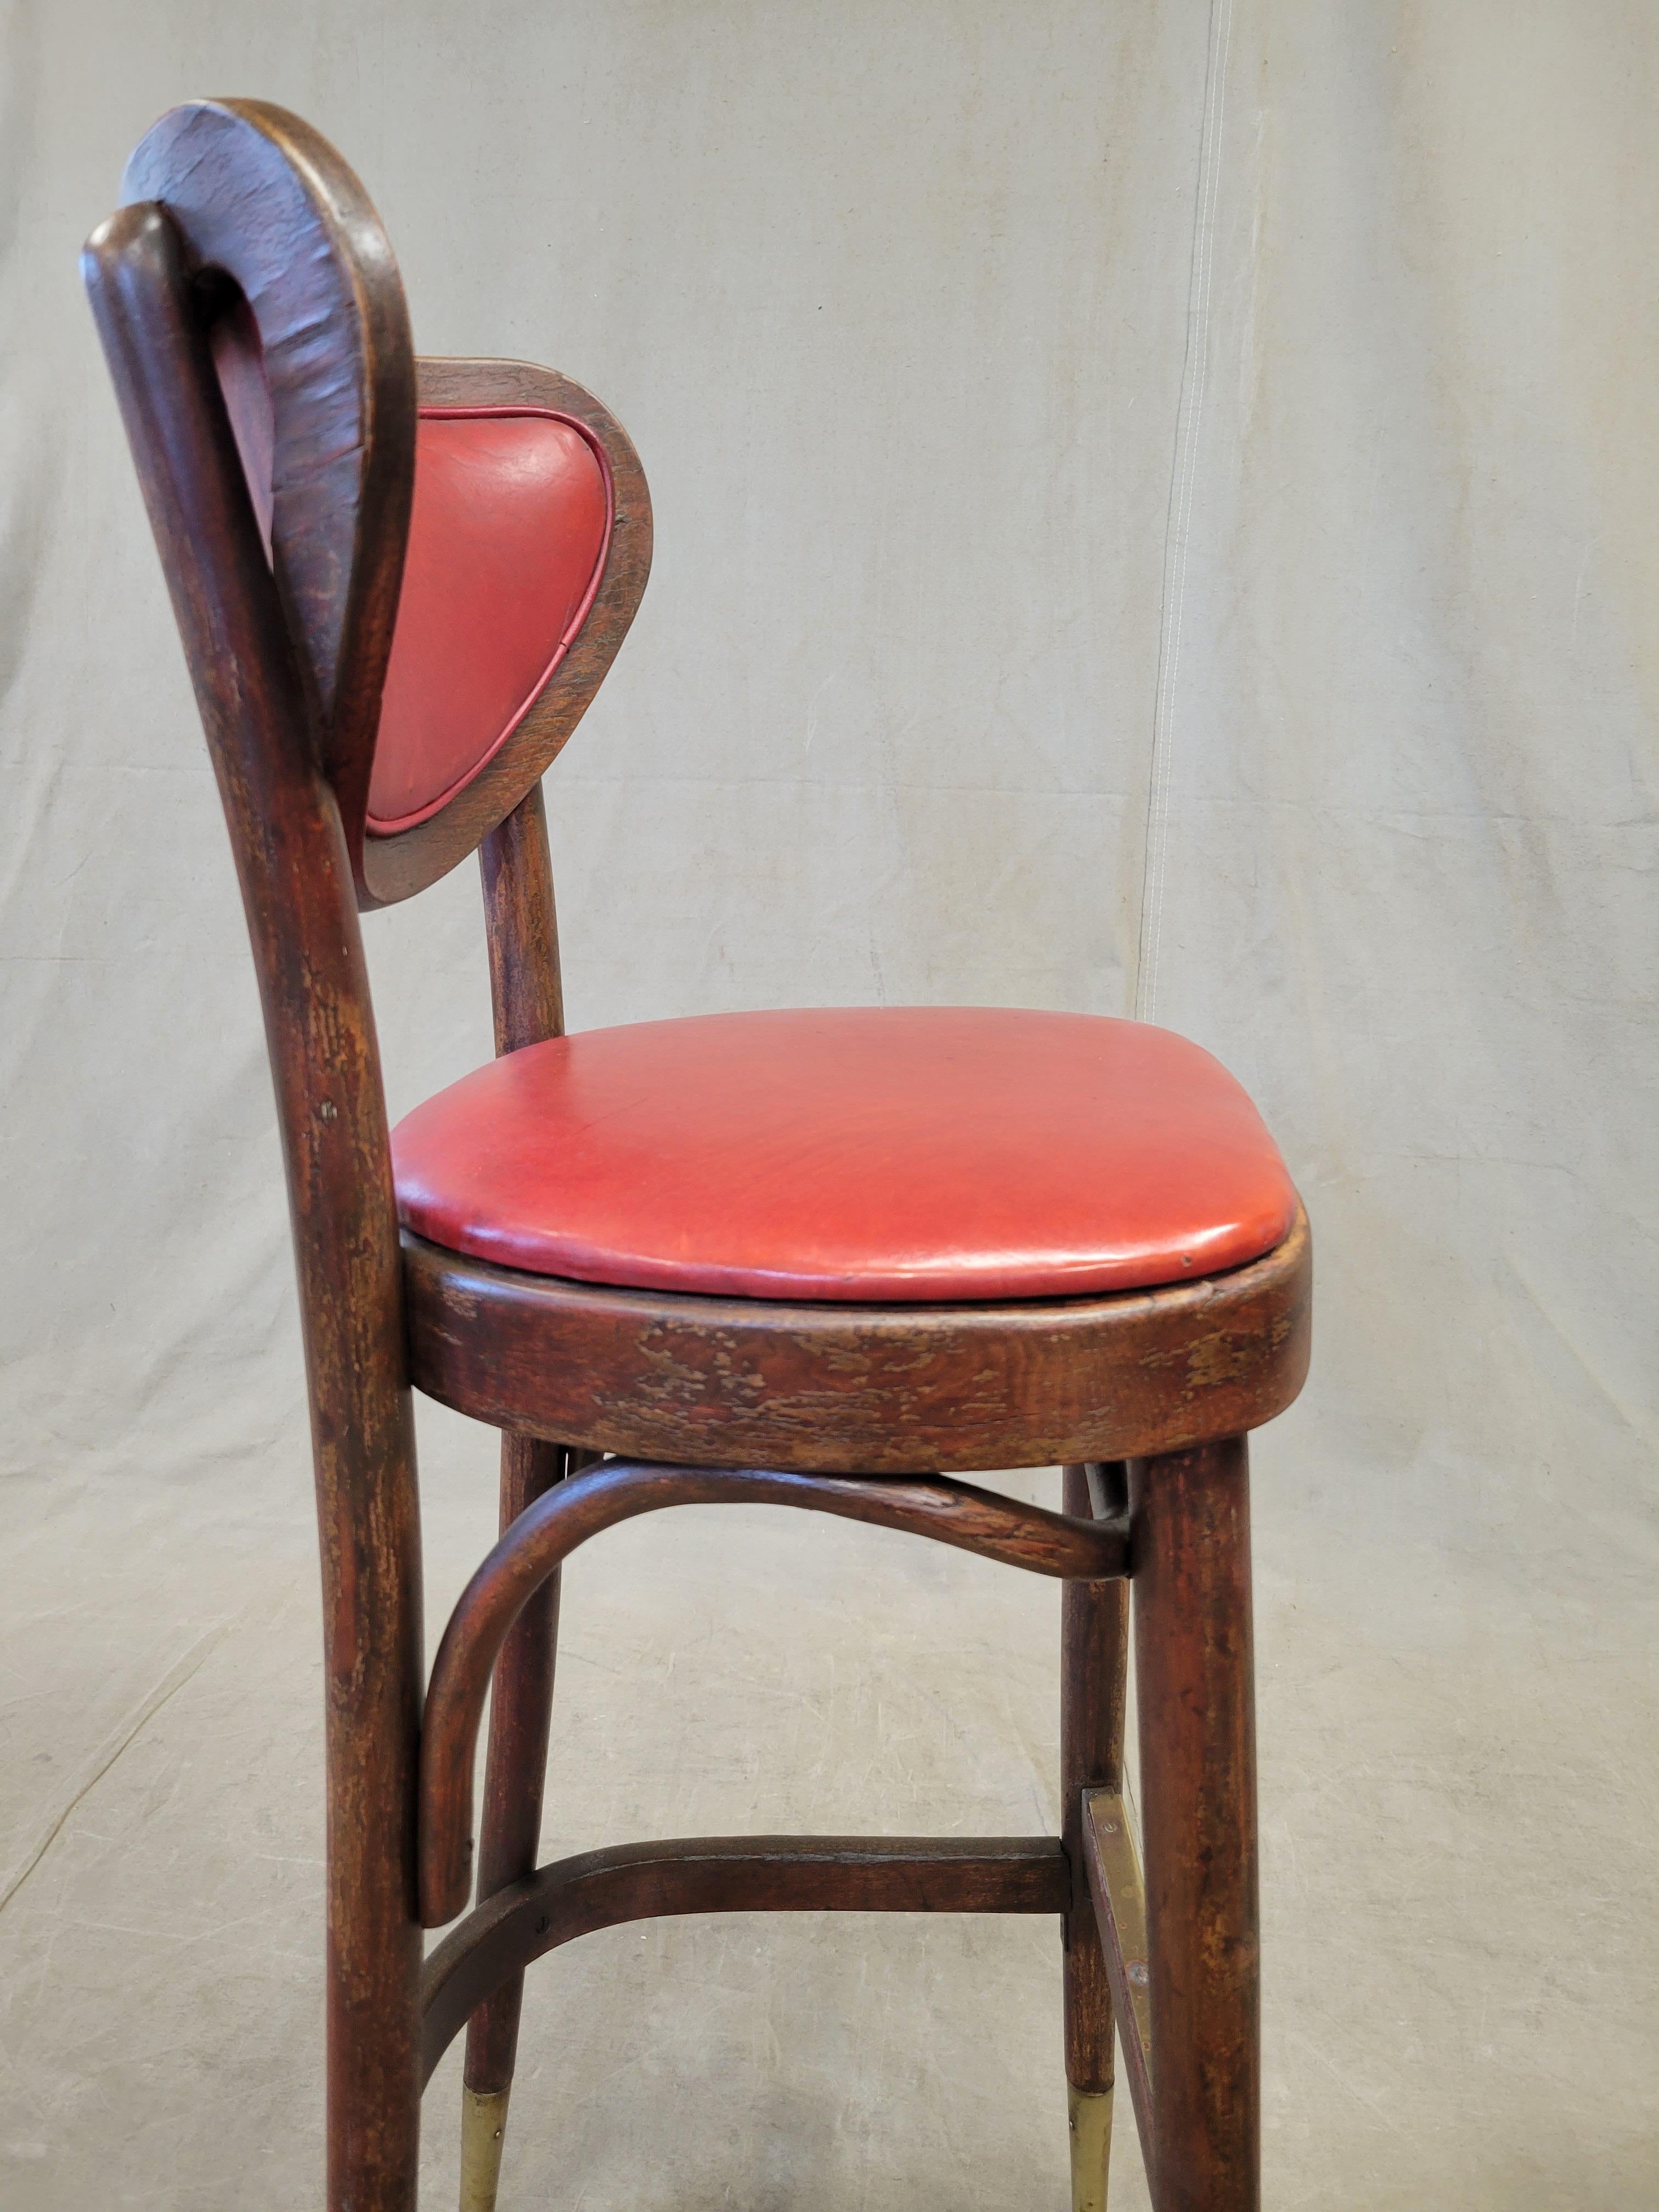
1091, 2113
484, 2124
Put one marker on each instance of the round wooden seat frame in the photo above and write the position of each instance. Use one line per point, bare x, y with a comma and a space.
255, 327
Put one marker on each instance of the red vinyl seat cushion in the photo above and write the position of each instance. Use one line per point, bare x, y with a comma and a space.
939, 1154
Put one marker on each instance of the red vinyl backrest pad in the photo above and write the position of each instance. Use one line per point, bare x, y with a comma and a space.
507, 546
507, 539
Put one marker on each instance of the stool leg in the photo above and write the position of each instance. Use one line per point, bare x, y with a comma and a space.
1094, 1658
520, 1709
1195, 1702
373, 1944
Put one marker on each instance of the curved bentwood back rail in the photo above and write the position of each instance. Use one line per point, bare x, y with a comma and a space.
399, 585
254, 325
287, 651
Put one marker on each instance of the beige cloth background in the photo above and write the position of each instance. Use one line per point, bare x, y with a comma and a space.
1155, 510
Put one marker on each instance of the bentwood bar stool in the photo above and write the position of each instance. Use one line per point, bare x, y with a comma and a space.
822, 1259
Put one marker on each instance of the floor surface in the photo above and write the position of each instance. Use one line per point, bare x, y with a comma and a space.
1458, 1787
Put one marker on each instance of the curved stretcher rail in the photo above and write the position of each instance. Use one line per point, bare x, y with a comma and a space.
727, 1874
952, 1512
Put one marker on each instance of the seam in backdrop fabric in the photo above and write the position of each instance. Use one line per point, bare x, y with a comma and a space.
1184, 471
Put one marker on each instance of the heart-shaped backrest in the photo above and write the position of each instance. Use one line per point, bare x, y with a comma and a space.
530, 542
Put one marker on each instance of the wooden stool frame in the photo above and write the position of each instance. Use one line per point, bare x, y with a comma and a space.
615, 1402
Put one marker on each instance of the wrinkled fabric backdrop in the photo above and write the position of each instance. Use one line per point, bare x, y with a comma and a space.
1157, 510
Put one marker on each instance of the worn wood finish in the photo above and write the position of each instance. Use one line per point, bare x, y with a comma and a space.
261, 200
1093, 1674
522, 927
527, 1002
296, 874
955, 1513
1093, 1680
1118, 1900
520, 1711
1196, 1709
398, 867
882, 1388
731, 1874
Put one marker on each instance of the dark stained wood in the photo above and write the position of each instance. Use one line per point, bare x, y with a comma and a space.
259, 196
396, 867
515, 1765
296, 875
731, 1874
1118, 1901
1196, 1708
882, 1388
521, 928
1107, 1482
1093, 1680
521, 934
955, 1513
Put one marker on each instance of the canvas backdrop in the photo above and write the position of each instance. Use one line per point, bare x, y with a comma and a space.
1156, 512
